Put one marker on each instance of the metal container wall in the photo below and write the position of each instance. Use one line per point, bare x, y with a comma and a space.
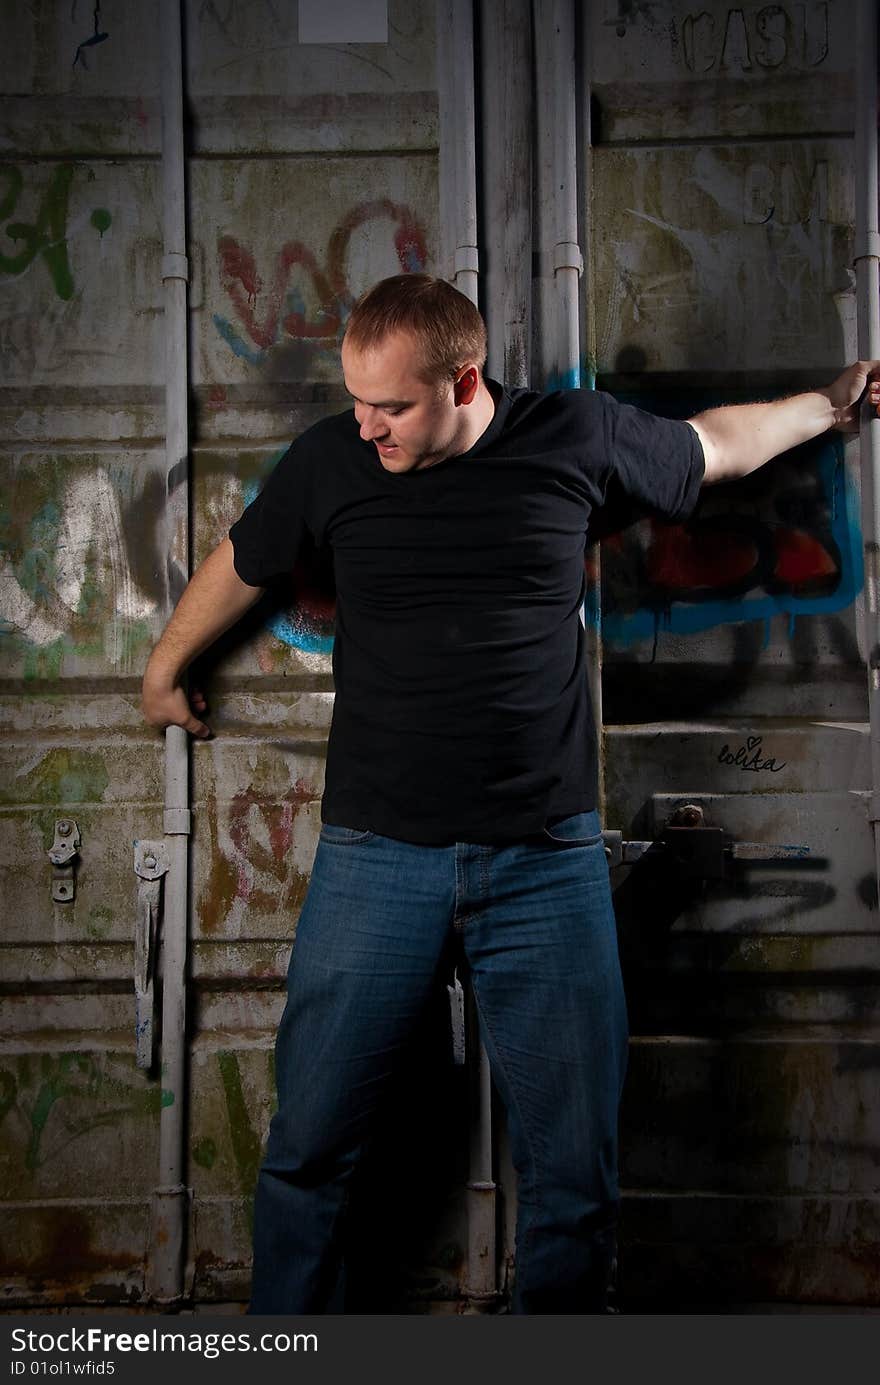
312, 173
722, 216
720, 210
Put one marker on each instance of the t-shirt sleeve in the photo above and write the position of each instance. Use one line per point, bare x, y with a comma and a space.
657, 462
268, 536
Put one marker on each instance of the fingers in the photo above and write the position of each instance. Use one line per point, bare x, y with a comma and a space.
198, 729
170, 708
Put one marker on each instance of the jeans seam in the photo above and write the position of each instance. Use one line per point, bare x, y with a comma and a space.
521, 1256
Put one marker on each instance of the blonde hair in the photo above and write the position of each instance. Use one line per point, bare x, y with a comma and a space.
447, 327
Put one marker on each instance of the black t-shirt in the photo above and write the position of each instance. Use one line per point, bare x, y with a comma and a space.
462, 709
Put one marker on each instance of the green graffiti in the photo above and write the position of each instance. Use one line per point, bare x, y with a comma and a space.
58, 1081
64, 775
204, 1152
39, 662
37, 568
62, 1084
101, 220
47, 234
100, 921
246, 1147
8, 1093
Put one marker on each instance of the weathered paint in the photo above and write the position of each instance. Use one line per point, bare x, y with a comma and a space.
723, 257
749, 1133
280, 247
734, 663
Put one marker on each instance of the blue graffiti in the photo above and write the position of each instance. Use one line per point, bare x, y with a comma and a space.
241, 348
685, 617
290, 627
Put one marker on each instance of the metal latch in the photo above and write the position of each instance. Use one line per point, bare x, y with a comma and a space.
64, 849
704, 853
622, 853
697, 851
150, 864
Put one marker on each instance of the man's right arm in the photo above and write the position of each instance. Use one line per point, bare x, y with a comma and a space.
214, 599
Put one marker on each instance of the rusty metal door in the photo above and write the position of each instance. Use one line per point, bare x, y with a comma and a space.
734, 676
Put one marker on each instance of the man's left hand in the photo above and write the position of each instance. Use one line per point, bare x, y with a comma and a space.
848, 390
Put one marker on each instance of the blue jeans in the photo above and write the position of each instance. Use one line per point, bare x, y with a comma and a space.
537, 928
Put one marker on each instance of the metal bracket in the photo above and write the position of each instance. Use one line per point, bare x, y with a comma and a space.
150, 864
467, 259
64, 849
456, 1019
175, 266
622, 853
567, 255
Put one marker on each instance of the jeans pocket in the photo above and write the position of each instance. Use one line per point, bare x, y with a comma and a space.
581, 829
344, 836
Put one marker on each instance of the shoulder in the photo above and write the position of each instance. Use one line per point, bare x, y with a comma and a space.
334, 431
556, 410
555, 403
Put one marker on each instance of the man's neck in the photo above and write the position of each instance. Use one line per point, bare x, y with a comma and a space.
481, 411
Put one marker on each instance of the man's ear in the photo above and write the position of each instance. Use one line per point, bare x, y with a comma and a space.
465, 388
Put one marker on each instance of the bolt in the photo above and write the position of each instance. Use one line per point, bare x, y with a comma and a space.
688, 815
64, 828
150, 861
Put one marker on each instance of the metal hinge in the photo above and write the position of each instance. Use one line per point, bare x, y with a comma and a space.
64, 849
150, 864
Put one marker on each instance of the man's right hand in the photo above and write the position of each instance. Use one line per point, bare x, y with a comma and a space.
214, 599
165, 705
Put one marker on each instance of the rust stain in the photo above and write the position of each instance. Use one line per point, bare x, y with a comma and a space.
66, 1252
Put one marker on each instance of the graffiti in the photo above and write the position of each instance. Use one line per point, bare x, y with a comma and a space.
749, 757
59, 554
786, 541
246, 1142
282, 311
746, 40
306, 624
260, 854
679, 284
61, 1098
48, 235
94, 38
83, 569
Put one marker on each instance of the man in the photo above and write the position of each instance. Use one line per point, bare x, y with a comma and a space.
460, 789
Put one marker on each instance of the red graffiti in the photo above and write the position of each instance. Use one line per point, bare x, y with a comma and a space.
245, 286
678, 560
801, 560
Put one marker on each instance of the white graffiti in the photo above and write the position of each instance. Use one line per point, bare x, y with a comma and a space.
718, 283
89, 546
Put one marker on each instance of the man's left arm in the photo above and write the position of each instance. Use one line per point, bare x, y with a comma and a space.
739, 438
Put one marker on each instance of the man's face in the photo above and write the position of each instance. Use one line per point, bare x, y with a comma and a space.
412, 424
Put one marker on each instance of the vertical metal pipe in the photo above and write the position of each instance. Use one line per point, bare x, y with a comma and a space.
545, 316
867, 267
593, 620
458, 182
506, 191
171, 1197
458, 139
558, 17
